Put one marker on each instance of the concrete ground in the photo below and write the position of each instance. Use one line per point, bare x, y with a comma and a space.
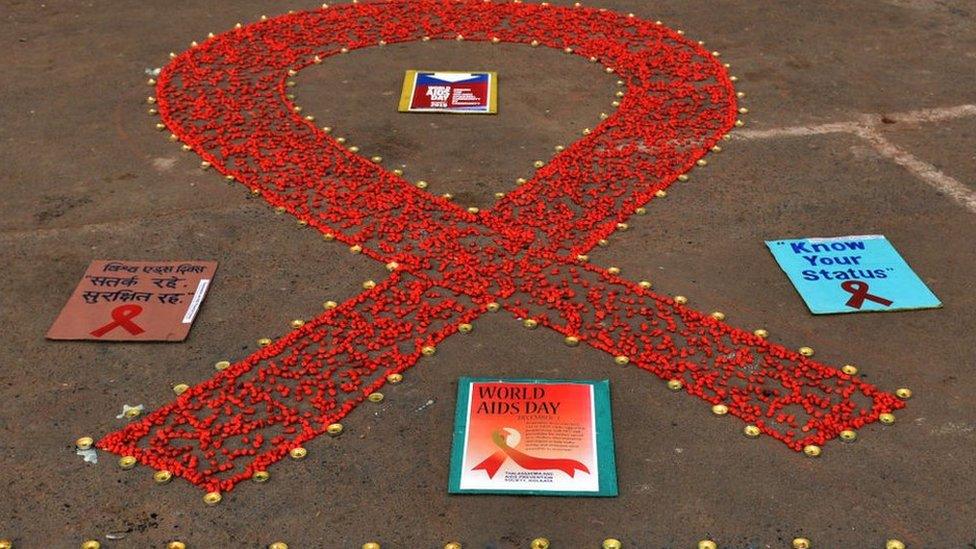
85, 176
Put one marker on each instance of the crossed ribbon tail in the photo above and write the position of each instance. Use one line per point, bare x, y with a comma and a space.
218, 433
492, 463
525, 461
788, 396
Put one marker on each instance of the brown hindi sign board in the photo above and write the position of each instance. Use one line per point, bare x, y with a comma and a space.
135, 301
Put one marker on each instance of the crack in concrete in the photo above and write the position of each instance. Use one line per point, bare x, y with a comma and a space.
866, 127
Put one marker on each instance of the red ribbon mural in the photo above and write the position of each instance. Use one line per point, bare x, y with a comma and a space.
226, 99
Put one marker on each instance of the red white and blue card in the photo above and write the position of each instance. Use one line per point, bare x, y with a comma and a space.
851, 274
449, 92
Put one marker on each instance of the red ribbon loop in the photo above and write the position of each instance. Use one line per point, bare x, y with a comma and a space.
122, 318
525, 461
859, 292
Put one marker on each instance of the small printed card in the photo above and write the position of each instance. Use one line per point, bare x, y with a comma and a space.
533, 436
450, 92
851, 274
135, 301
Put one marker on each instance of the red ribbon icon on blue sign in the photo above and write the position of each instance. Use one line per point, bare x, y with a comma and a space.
859, 292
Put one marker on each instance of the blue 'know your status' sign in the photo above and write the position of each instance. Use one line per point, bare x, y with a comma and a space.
850, 274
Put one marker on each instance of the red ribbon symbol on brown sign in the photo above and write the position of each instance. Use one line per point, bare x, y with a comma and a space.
859, 292
525, 461
122, 318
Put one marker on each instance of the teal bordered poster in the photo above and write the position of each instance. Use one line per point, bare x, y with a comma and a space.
533, 436
851, 274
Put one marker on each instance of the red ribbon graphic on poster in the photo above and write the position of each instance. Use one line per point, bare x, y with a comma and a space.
122, 318
525, 461
859, 292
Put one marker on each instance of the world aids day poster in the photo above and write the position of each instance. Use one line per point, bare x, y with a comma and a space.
851, 274
449, 92
536, 437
